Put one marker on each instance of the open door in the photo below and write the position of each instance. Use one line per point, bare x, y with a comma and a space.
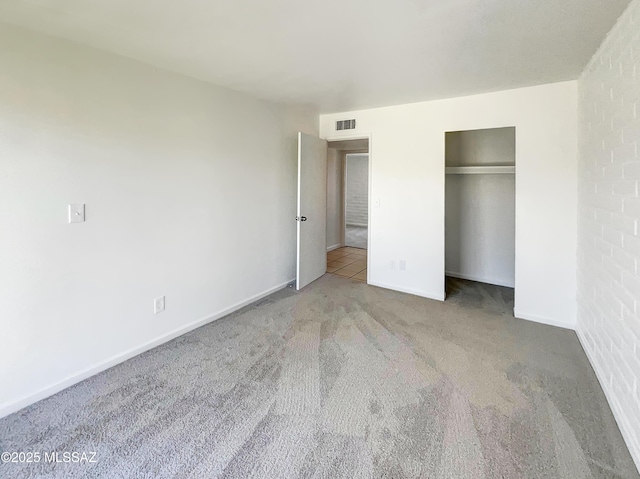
311, 259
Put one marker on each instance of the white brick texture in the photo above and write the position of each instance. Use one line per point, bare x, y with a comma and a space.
608, 220
357, 209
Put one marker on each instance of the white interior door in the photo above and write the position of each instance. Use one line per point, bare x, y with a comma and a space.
311, 219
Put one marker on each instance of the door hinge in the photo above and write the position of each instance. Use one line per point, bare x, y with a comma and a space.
301, 218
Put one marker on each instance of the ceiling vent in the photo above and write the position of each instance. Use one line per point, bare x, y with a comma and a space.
346, 125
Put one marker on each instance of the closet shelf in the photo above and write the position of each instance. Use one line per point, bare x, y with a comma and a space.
480, 170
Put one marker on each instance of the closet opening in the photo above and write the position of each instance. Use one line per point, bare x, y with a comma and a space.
480, 168
348, 208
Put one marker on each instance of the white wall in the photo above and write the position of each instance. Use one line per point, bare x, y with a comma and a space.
492, 146
608, 221
190, 193
357, 189
335, 198
480, 228
407, 162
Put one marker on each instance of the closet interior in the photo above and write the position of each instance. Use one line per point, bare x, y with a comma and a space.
480, 187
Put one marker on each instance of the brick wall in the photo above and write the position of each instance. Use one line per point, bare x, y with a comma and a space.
357, 208
608, 212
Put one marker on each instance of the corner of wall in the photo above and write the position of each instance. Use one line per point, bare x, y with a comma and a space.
608, 248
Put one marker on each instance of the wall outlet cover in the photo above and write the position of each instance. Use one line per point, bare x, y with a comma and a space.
158, 305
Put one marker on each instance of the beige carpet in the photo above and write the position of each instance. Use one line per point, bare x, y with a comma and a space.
341, 380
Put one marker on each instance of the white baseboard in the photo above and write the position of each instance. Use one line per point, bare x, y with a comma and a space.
541, 319
623, 424
335, 246
13, 406
415, 292
471, 277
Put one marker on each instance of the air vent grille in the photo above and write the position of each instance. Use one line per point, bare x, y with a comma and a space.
346, 125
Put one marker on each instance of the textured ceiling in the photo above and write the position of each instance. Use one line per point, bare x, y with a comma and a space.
339, 55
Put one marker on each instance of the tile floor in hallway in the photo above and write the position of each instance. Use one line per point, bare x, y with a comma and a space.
348, 262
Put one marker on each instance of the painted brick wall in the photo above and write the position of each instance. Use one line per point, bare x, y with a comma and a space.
608, 212
357, 208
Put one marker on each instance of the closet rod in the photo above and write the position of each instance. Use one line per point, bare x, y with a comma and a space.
480, 170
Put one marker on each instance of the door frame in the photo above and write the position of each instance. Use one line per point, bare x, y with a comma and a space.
359, 136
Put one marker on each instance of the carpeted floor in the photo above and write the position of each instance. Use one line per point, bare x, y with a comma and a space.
341, 380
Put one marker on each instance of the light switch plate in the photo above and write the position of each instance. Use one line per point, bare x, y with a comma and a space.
158, 305
76, 213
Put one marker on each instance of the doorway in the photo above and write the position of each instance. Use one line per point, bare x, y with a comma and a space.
348, 208
356, 199
480, 167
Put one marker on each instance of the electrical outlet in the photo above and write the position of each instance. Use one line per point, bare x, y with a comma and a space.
393, 264
158, 305
403, 265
